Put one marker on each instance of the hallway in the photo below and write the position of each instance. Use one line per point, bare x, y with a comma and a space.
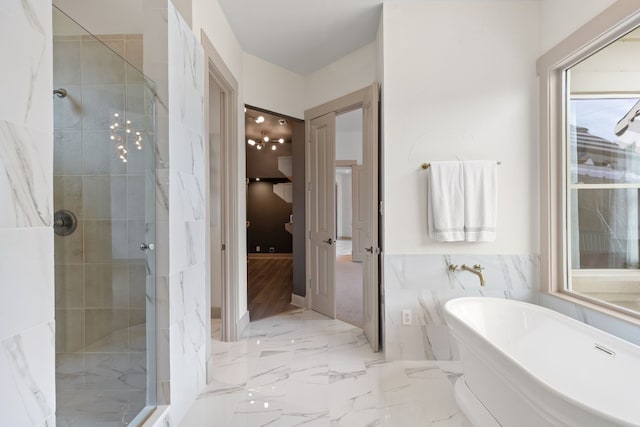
302, 368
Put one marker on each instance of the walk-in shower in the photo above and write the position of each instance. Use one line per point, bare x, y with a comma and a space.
104, 190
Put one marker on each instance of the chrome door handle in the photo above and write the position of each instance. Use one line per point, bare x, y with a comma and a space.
145, 246
330, 241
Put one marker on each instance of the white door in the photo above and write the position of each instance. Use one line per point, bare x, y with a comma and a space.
358, 222
321, 261
369, 215
322, 216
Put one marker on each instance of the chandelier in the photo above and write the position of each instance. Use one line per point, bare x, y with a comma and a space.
120, 130
265, 142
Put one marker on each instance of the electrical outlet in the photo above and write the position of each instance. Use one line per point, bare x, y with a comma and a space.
406, 316
272, 249
258, 248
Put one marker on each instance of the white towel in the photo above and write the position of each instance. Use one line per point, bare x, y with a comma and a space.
480, 200
446, 202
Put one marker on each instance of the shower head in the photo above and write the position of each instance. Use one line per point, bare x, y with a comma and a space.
60, 93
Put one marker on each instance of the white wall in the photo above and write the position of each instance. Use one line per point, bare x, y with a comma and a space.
348, 74
272, 87
277, 89
560, 18
208, 17
27, 340
464, 91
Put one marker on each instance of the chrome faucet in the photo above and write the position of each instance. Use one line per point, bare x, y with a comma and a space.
477, 270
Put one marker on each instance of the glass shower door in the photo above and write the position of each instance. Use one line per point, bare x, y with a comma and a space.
104, 199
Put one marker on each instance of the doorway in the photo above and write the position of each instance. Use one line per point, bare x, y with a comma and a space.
349, 274
221, 113
322, 241
271, 202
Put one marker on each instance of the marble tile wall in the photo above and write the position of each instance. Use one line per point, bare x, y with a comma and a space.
423, 283
187, 215
100, 271
27, 371
174, 59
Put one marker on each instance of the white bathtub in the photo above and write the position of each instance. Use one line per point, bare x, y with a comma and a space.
525, 365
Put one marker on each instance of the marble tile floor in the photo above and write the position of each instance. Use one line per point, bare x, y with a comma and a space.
103, 384
301, 368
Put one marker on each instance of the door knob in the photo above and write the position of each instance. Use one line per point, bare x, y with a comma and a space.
329, 241
145, 246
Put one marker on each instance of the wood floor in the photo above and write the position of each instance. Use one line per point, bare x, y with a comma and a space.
270, 284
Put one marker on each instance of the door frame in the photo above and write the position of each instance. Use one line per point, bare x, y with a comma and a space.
344, 104
217, 70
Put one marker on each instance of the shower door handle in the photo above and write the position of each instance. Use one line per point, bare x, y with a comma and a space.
147, 246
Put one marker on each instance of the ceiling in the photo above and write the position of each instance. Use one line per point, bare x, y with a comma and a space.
304, 35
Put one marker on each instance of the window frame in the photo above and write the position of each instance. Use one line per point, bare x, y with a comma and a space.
614, 22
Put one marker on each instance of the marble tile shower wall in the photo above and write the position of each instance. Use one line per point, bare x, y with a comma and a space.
27, 372
174, 60
100, 272
423, 284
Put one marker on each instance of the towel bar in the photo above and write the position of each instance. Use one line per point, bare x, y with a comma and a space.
428, 165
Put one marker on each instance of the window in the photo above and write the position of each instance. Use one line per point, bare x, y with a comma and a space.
590, 164
603, 174
603, 184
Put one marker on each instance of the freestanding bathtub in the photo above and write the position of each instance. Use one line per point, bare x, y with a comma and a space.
525, 365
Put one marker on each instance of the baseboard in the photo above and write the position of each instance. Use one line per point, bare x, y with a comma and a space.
298, 301
243, 323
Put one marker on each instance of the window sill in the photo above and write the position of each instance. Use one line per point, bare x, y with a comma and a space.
611, 310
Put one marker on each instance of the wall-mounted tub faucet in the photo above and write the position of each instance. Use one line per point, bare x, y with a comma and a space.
477, 270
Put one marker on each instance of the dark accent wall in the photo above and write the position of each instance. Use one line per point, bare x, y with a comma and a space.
267, 213
264, 163
299, 247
